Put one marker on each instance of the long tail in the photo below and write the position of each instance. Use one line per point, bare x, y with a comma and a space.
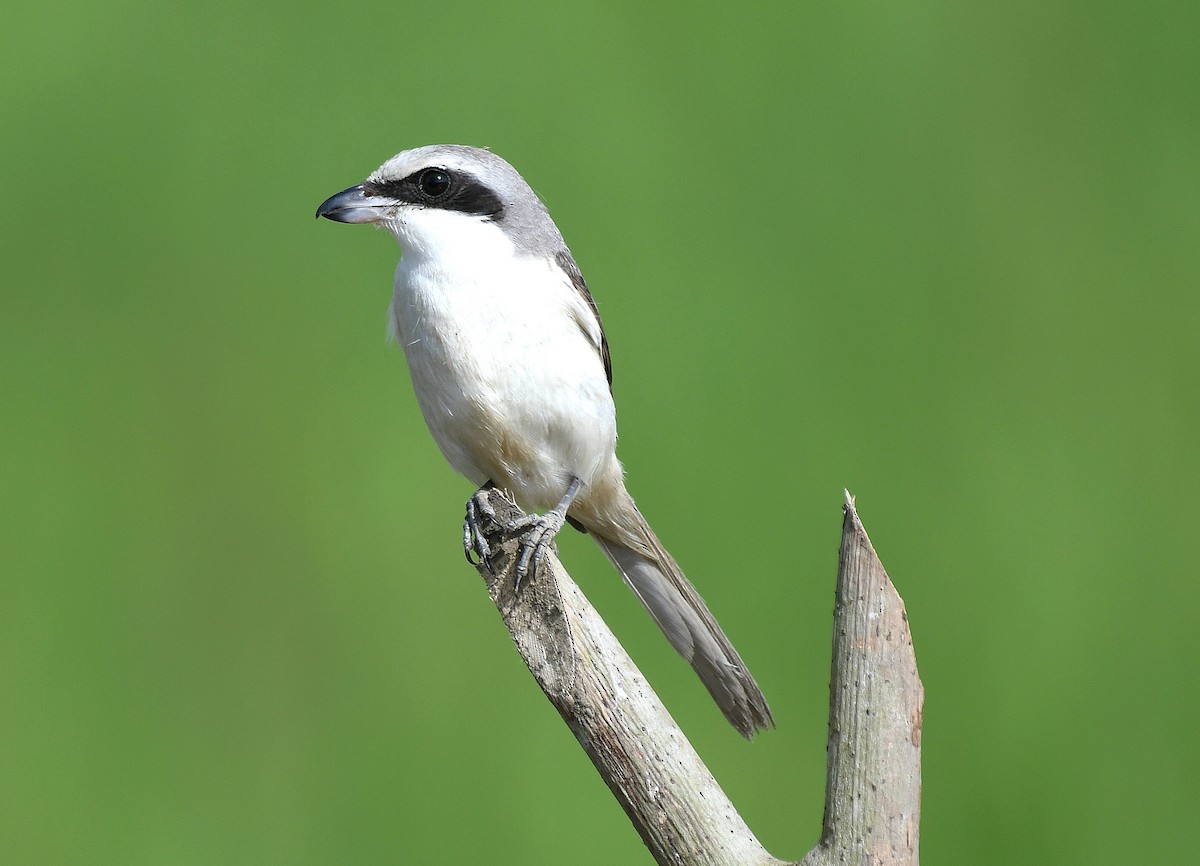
684, 618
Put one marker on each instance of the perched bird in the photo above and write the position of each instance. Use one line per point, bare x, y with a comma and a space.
512, 372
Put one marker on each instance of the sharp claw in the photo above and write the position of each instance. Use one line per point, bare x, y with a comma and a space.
474, 541
468, 542
523, 564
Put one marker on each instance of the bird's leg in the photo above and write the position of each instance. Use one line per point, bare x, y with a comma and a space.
540, 536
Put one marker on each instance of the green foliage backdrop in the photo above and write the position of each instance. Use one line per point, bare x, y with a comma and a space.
946, 255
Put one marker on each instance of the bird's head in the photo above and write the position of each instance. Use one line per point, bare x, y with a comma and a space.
439, 198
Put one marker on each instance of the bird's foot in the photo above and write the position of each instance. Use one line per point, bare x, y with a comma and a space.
479, 514
538, 541
539, 531
539, 538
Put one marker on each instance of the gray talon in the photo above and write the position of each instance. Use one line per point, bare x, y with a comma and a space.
474, 541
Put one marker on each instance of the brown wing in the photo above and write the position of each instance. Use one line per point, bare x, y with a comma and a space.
564, 260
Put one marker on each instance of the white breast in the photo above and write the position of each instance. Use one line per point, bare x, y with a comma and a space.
504, 360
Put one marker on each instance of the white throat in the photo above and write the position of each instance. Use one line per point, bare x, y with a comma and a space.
447, 239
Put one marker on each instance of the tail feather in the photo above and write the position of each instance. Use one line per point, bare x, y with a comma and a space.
684, 618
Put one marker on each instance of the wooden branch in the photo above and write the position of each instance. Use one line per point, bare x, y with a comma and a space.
674, 802
873, 782
672, 799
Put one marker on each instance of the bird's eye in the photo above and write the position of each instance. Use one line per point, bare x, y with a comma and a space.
434, 182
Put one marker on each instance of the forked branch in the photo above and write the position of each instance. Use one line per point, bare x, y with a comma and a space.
872, 803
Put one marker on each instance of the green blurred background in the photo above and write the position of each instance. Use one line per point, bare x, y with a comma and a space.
945, 255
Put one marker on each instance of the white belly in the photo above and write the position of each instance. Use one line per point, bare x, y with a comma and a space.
513, 390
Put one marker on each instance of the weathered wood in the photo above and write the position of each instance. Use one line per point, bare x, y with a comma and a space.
873, 783
670, 796
683, 816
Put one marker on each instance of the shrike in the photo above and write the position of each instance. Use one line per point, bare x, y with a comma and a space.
512, 372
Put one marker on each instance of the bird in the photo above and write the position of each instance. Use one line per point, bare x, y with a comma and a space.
513, 375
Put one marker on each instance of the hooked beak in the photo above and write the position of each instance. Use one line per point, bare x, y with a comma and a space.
354, 206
